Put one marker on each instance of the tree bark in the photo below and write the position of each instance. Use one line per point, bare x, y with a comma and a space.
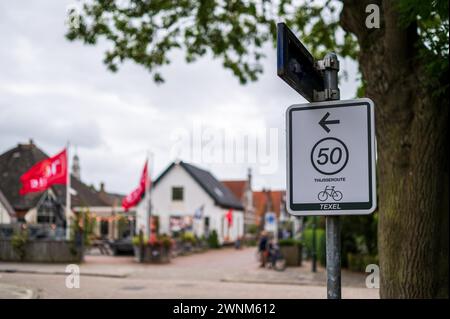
412, 165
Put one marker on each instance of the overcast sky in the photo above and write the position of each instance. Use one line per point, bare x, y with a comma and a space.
53, 90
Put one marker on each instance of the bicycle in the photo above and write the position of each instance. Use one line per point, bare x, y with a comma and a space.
276, 262
329, 191
276, 259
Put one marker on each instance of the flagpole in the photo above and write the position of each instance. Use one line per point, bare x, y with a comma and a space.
150, 157
68, 203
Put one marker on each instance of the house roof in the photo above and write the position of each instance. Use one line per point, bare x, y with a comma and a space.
237, 187
85, 195
18, 160
111, 198
221, 195
261, 202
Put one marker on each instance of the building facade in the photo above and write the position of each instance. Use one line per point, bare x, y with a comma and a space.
47, 208
7, 214
187, 198
242, 190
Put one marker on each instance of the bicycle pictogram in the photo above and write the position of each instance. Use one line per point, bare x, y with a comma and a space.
329, 191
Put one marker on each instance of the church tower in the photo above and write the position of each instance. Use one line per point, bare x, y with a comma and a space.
76, 167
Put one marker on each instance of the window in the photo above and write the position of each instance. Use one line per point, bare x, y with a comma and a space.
177, 193
46, 217
46, 210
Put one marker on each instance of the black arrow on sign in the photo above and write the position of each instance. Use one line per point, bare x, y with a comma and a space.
323, 122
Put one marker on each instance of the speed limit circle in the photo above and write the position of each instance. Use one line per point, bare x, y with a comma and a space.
329, 156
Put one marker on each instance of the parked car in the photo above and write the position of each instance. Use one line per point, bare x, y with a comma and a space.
123, 246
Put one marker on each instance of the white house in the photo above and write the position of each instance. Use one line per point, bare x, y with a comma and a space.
7, 214
187, 197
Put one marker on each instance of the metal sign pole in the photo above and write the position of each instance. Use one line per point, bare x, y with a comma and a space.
314, 246
330, 67
333, 257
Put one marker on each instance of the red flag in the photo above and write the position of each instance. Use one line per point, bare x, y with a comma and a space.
138, 193
145, 180
229, 217
133, 198
45, 173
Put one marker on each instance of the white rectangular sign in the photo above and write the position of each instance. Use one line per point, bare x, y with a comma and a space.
270, 222
331, 158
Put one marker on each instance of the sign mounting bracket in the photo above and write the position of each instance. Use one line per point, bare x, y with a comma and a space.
329, 66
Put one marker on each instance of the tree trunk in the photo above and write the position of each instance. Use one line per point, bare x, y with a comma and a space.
412, 164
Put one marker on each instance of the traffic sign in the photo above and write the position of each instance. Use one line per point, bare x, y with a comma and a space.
295, 65
331, 158
270, 222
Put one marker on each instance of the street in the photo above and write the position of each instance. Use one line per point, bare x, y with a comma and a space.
224, 273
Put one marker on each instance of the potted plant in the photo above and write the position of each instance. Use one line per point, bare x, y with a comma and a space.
161, 249
188, 240
138, 251
291, 250
157, 249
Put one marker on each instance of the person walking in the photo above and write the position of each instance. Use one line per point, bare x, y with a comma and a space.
237, 243
263, 248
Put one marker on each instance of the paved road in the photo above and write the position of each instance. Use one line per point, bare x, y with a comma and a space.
8, 291
225, 273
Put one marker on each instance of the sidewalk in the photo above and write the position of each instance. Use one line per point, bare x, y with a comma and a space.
353, 283
227, 268
111, 270
296, 276
8, 291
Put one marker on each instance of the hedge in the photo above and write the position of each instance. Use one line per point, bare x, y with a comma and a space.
320, 244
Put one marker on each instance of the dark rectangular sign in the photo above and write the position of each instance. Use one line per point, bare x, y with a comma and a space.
295, 65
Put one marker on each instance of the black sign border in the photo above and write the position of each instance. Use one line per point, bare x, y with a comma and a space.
349, 206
